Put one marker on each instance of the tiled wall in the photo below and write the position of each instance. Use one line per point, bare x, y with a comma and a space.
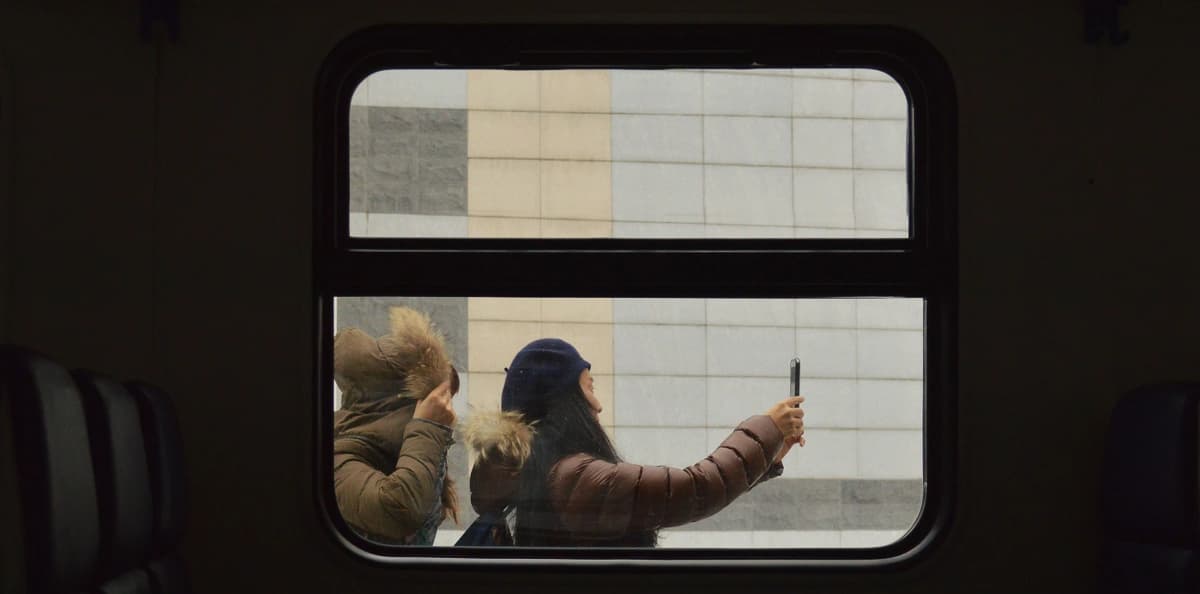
408, 156
539, 154
595, 153
710, 363
805, 153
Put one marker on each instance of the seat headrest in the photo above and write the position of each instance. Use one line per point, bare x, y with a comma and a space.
1132, 568
164, 453
122, 475
1150, 491
54, 464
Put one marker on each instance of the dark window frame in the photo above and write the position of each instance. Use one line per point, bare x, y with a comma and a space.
922, 265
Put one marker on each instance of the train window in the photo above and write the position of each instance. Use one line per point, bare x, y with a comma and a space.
619, 237
675, 376
803, 152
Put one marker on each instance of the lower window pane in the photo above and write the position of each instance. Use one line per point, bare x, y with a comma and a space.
673, 378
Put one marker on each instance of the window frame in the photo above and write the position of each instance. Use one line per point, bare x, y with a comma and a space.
922, 265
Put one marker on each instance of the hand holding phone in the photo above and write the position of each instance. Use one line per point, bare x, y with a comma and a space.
795, 386
788, 415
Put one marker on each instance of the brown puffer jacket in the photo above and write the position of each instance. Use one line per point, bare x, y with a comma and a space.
597, 500
388, 469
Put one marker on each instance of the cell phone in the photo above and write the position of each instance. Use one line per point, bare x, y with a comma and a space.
795, 377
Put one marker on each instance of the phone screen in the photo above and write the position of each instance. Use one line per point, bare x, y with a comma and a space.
795, 377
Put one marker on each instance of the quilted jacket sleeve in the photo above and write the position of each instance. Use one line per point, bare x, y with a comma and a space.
598, 499
392, 506
494, 484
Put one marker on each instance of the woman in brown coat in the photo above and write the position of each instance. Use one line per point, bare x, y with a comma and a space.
393, 429
546, 461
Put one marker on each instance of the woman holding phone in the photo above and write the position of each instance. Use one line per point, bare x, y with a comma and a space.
545, 460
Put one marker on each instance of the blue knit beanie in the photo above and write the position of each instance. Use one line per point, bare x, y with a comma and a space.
540, 370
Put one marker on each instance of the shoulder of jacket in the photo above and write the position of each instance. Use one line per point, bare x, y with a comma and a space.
575, 465
354, 445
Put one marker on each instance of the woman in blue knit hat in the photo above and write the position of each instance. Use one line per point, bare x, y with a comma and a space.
546, 473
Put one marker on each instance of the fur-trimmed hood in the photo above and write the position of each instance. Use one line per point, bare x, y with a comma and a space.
498, 436
501, 442
410, 361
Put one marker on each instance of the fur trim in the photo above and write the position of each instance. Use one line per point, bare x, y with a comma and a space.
410, 361
502, 433
416, 349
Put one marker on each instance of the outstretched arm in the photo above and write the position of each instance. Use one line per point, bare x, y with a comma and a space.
598, 499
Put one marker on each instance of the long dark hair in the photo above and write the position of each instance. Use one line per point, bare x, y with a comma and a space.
568, 427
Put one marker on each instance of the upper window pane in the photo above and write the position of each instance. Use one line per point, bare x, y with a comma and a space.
778, 153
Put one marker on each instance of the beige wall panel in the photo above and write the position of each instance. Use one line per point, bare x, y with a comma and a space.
492, 345
563, 228
503, 187
581, 91
502, 134
576, 136
503, 227
504, 308
502, 90
577, 310
594, 342
576, 190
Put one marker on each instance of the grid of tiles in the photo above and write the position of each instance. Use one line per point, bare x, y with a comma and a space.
689, 370
767, 153
819, 153
540, 154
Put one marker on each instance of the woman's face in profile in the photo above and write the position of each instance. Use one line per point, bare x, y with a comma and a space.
588, 386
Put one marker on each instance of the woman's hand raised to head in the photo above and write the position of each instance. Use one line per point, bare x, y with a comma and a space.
789, 418
437, 406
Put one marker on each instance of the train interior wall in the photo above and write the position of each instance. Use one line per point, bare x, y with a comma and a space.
157, 223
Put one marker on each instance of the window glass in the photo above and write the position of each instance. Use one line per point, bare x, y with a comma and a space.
764, 153
675, 376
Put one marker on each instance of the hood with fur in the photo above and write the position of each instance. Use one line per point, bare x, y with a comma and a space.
501, 442
498, 436
410, 361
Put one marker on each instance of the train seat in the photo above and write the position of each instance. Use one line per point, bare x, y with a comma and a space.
164, 450
55, 485
1150, 494
122, 483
